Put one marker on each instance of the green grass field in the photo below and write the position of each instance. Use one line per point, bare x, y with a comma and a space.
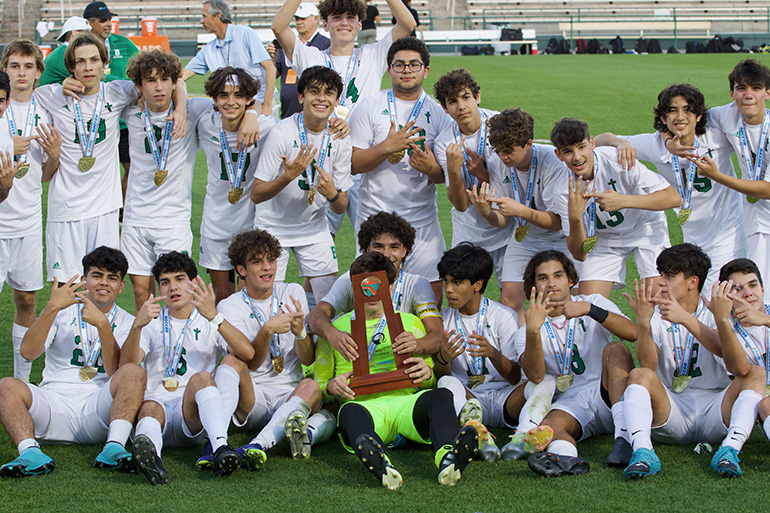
612, 93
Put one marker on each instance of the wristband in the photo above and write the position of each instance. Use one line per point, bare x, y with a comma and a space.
217, 321
302, 335
336, 196
598, 314
438, 358
666, 141
251, 111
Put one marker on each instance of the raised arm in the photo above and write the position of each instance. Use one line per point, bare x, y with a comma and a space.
281, 29
405, 22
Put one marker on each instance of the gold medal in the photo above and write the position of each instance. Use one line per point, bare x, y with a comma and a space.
23, 168
278, 364
590, 243
86, 163
476, 380
751, 199
342, 112
87, 373
767, 391
521, 232
563, 382
170, 383
311, 196
234, 196
107, 71
160, 177
681, 383
684, 215
396, 156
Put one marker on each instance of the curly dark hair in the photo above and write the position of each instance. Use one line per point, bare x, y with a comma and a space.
687, 259
510, 128
548, 256
109, 259
568, 132
83, 39
248, 86
371, 262
328, 8
386, 223
411, 44
141, 66
174, 262
695, 101
247, 247
450, 85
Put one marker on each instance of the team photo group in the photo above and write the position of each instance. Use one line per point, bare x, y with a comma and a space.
115, 134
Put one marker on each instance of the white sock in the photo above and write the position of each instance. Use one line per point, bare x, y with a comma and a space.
274, 431
321, 285
26, 444
119, 431
227, 380
321, 426
637, 409
458, 391
766, 427
21, 366
150, 427
619, 420
562, 448
742, 418
539, 397
212, 415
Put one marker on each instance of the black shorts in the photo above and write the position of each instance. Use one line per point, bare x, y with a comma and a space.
123, 147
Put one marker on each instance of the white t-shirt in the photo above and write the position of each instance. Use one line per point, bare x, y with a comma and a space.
237, 310
288, 216
709, 200
21, 213
396, 187
759, 338
146, 203
500, 327
368, 72
73, 194
469, 225
221, 220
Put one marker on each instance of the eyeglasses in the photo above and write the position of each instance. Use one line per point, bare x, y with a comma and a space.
400, 67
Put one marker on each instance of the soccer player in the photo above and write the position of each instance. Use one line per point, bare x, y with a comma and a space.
392, 236
367, 422
302, 169
681, 116
230, 171
608, 212
180, 345
569, 337
519, 179
680, 393
393, 134
36, 145
84, 397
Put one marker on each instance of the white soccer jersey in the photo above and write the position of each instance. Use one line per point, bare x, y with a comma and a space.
368, 72
624, 226
710, 200
551, 174
288, 216
707, 371
237, 310
75, 195
146, 203
416, 296
64, 353
757, 344
201, 351
589, 343
500, 327
396, 187
469, 225
221, 220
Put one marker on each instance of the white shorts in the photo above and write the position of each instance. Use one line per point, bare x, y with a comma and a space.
175, 432
318, 259
21, 262
267, 399
67, 242
587, 406
335, 220
759, 253
518, 255
429, 247
143, 246
213, 254
696, 416
608, 261
71, 414
498, 257
492, 398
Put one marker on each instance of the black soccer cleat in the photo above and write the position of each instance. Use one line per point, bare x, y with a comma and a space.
464, 449
147, 460
370, 452
226, 461
555, 465
620, 455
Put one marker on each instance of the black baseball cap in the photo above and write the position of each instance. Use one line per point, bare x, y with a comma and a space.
97, 10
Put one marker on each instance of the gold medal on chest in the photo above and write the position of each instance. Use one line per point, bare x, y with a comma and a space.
311, 196
86, 163
476, 380
521, 232
87, 373
160, 177
564, 381
590, 243
234, 196
278, 364
170, 383
681, 383
23, 168
396, 156
684, 215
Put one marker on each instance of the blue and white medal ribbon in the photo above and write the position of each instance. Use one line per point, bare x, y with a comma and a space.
87, 142
161, 157
563, 357
234, 175
589, 217
172, 352
415, 110
352, 64
683, 353
522, 226
275, 346
13, 130
470, 180
312, 176
91, 349
685, 190
475, 364
757, 357
755, 170
380, 328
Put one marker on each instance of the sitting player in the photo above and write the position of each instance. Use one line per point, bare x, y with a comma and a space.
680, 393
84, 397
180, 349
368, 422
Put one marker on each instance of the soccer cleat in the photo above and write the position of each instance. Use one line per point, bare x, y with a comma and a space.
296, 431
454, 461
31, 462
620, 455
726, 462
471, 410
534, 440
206, 460
644, 462
148, 461
487, 448
252, 456
226, 461
555, 465
370, 452
115, 457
